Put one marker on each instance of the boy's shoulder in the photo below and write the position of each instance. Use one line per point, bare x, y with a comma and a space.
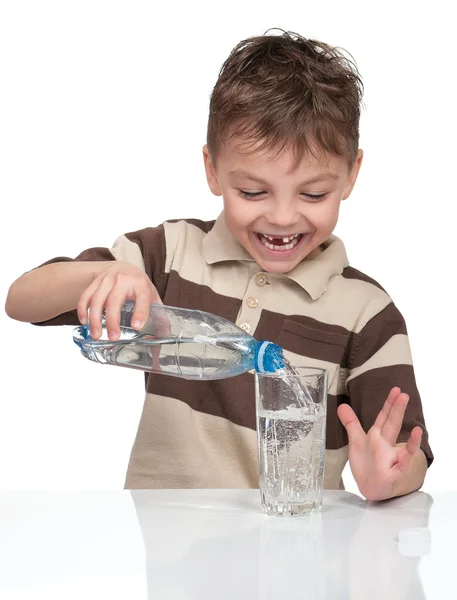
170, 227
208, 241
352, 273
343, 276
203, 226
343, 294
187, 235
360, 300
166, 237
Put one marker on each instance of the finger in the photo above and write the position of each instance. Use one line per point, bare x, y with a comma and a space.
387, 407
410, 449
84, 300
96, 306
394, 421
350, 421
142, 308
162, 323
113, 306
414, 441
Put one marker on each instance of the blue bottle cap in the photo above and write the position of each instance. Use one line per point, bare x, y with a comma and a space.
268, 357
81, 334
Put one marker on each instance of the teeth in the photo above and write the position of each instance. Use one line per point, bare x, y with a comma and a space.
289, 242
286, 240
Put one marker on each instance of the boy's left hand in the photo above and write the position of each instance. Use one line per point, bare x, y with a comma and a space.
377, 463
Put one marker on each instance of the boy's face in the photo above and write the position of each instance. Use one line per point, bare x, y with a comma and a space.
280, 217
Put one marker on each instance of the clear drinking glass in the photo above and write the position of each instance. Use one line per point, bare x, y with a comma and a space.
291, 423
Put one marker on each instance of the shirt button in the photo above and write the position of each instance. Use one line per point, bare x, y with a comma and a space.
246, 327
261, 279
252, 302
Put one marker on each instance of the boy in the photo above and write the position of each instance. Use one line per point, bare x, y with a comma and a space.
282, 150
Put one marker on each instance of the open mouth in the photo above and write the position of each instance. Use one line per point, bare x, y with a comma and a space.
280, 244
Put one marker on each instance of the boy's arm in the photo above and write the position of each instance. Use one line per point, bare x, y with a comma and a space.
388, 440
50, 290
49, 294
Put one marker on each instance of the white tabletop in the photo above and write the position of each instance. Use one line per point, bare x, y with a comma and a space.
216, 544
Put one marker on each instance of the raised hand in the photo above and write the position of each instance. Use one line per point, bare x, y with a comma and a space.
377, 463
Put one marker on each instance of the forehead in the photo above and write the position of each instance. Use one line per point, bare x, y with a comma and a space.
239, 153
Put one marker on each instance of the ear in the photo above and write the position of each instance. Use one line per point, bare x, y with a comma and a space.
353, 174
211, 176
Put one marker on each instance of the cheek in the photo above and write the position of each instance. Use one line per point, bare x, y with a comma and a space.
235, 219
326, 218
238, 214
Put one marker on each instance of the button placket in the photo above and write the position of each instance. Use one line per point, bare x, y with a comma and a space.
251, 306
261, 279
252, 301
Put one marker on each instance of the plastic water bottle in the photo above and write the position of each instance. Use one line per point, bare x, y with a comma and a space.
190, 344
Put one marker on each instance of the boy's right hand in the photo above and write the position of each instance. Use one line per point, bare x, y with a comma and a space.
118, 282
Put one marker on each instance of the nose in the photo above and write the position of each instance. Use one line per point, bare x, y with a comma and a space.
283, 215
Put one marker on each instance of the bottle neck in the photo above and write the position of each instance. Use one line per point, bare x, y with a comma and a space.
268, 357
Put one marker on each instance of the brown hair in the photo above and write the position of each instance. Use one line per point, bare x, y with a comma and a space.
287, 91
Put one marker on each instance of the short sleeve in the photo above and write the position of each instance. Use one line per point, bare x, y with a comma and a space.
380, 359
144, 248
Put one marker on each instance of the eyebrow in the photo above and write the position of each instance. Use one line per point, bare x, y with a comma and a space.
326, 175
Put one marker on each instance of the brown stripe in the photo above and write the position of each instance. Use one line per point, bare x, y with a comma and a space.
186, 294
204, 226
89, 254
369, 391
70, 317
375, 334
336, 435
331, 334
151, 242
304, 335
234, 399
351, 273
295, 333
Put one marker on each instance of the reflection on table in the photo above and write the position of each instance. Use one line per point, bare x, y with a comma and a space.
202, 544
198, 546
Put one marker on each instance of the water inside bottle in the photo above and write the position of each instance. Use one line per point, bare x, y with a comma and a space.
197, 357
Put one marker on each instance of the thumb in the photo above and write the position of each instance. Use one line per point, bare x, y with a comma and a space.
351, 423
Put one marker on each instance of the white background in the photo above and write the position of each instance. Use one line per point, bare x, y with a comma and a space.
103, 113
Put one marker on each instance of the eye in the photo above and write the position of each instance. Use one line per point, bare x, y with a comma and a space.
311, 197
250, 194
315, 197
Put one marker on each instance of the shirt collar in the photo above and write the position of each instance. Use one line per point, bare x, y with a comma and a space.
312, 274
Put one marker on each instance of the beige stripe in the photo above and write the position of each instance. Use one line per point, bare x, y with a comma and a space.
340, 305
396, 351
335, 461
185, 255
124, 249
177, 447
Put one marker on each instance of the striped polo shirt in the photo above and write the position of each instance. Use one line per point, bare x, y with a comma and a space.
323, 313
